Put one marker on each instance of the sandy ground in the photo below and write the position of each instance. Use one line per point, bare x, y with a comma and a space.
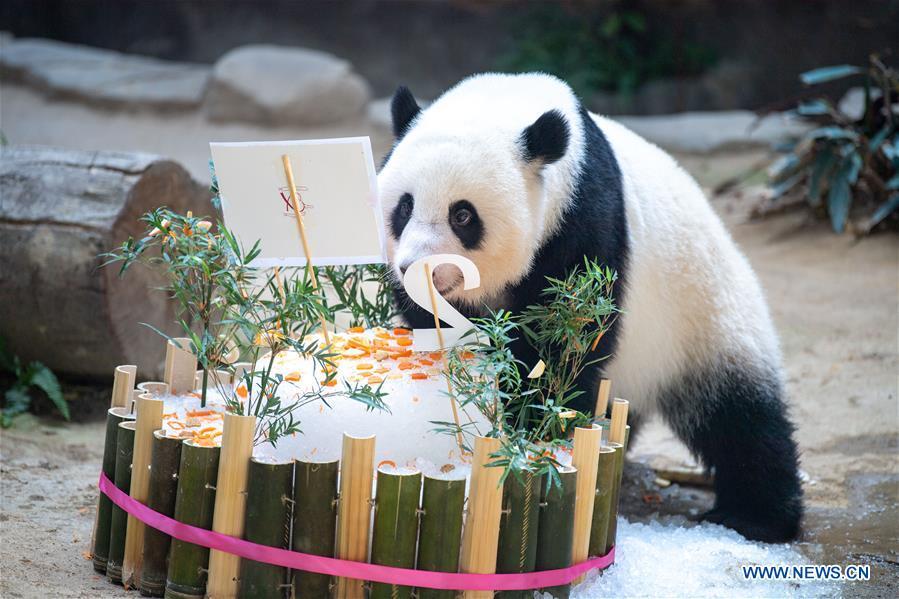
834, 302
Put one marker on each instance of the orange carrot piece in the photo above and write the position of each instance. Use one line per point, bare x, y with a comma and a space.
419, 376
399, 331
292, 376
404, 341
364, 366
406, 366
426, 362
356, 329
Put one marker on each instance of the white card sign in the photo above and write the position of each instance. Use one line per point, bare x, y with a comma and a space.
336, 193
416, 283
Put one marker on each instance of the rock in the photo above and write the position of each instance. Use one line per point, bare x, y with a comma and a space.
852, 104
103, 77
280, 85
708, 131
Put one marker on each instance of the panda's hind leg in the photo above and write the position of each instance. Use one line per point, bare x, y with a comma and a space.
734, 419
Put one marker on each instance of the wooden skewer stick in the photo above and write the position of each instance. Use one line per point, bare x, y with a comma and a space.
301, 227
449, 385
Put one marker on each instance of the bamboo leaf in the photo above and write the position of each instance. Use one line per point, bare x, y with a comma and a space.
816, 76
813, 108
838, 200
44, 379
883, 211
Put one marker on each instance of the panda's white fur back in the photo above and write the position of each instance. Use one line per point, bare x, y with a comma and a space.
692, 296
512, 172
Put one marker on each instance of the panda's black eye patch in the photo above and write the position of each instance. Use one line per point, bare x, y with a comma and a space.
401, 214
466, 224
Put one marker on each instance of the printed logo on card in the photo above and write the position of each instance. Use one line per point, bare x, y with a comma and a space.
284, 194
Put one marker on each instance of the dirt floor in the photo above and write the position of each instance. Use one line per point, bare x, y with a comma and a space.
835, 302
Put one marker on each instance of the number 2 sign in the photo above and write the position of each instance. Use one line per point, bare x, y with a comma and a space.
419, 288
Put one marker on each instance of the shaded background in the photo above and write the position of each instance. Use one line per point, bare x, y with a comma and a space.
679, 55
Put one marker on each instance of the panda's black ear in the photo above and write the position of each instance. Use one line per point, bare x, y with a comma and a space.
547, 139
403, 110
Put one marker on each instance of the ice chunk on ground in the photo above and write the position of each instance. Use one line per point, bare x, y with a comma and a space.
674, 559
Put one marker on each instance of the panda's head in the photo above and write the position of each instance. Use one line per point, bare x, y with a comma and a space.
459, 184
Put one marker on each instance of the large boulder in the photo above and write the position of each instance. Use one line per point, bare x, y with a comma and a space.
279, 85
102, 77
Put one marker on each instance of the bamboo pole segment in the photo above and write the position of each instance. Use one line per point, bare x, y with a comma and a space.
616, 493
180, 365
154, 388
354, 508
314, 521
602, 399
449, 385
485, 501
585, 458
164, 460
556, 530
194, 505
602, 504
301, 227
230, 501
122, 384
518, 526
619, 420
395, 529
267, 522
119, 520
100, 543
440, 537
149, 420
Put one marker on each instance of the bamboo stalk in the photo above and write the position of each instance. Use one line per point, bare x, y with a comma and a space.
301, 227
440, 538
518, 526
180, 366
618, 434
100, 546
164, 461
354, 508
119, 519
602, 504
619, 420
154, 388
602, 399
314, 521
481, 536
395, 529
613, 500
149, 420
230, 501
267, 522
194, 503
585, 459
122, 384
556, 530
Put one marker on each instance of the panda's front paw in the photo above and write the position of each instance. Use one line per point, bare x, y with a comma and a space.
755, 528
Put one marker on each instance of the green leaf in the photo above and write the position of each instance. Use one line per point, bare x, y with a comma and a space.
824, 162
878, 139
833, 133
893, 183
816, 76
839, 198
17, 402
883, 211
44, 379
813, 108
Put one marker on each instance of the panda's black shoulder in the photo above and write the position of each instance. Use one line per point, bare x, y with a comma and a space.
594, 224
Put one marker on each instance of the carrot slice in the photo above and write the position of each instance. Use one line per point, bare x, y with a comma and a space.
406, 365
364, 366
435, 355
356, 329
292, 376
242, 392
375, 380
386, 463
399, 331
426, 362
404, 341
419, 376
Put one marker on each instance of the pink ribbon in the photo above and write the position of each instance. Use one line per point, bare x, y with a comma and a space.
344, 568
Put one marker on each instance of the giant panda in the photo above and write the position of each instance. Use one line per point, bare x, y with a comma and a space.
512, 172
